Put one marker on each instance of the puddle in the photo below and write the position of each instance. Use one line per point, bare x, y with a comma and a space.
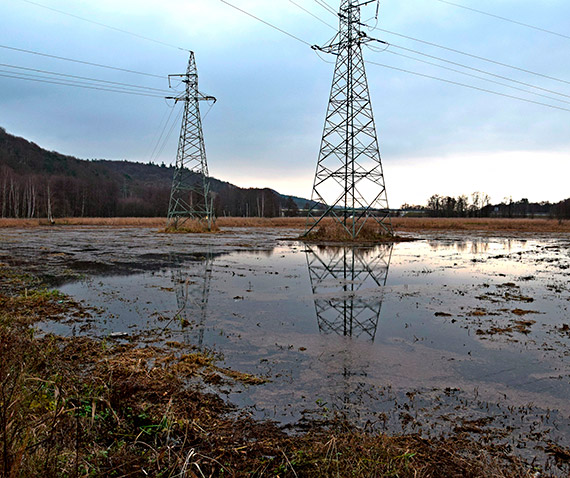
433, 336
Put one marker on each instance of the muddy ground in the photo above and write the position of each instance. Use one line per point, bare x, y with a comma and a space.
502, 296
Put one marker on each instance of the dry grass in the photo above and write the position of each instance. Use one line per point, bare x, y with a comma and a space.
86, 221
192, 226
158, 222
83, 408
335, 232
272, 222
418, 224
403, 224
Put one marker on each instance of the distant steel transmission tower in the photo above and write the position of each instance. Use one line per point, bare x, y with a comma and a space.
190, 193
349, 181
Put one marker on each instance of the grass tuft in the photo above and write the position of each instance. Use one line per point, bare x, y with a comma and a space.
334, 232
192, 226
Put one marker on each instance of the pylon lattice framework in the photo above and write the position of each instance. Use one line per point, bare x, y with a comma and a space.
190, 193
349, 180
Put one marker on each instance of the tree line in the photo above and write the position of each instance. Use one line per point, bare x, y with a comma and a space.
43, 196
35, 183
479, 205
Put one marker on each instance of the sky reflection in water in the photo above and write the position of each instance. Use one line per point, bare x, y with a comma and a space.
397, 336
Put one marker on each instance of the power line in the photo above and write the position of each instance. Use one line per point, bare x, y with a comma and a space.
83, 78
476, 76
468, 86
474, 69
455, 63
158, 152
473, 56
510, 20
73, 60
207, 112
329, 9
105, 26
425, 75
320, 20
169, 134
326, 6
266, 23
78, 85
313, 15
158, 142
156, 139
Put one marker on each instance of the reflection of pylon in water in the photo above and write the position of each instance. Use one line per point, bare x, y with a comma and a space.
348, 286
192, 292
339, 278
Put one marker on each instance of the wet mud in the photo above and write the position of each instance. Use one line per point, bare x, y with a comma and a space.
452, 333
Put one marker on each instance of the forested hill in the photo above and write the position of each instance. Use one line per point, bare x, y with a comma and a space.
33, 180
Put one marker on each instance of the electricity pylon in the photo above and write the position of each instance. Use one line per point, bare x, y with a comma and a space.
349, 181
190, 193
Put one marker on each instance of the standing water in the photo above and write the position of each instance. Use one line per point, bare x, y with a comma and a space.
440, 335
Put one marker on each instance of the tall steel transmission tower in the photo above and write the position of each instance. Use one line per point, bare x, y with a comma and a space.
190, 193
349, 181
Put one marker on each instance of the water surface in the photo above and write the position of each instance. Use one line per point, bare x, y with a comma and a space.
447, 333
427, 336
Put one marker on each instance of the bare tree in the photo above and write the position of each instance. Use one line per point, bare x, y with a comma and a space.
14, 197
49, 199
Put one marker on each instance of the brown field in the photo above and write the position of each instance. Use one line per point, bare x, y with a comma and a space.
401, 224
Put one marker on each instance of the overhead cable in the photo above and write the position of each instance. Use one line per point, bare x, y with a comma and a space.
530, 92
158, 142
157, 138
510, 20
417, 73
266, 23
473, 56
468, 86
313, 15
83, 78
456, 64
472, 68
327, 7
78, 85
169, 134
142, 37
73, 60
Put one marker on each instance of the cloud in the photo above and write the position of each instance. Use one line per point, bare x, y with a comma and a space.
273, 90
535, 175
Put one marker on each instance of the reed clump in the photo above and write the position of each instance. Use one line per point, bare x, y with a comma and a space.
333, 232
192, 226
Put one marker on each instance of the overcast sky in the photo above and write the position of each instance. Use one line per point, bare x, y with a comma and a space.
272, 90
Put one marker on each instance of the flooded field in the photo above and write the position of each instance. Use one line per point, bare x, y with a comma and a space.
449, 333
